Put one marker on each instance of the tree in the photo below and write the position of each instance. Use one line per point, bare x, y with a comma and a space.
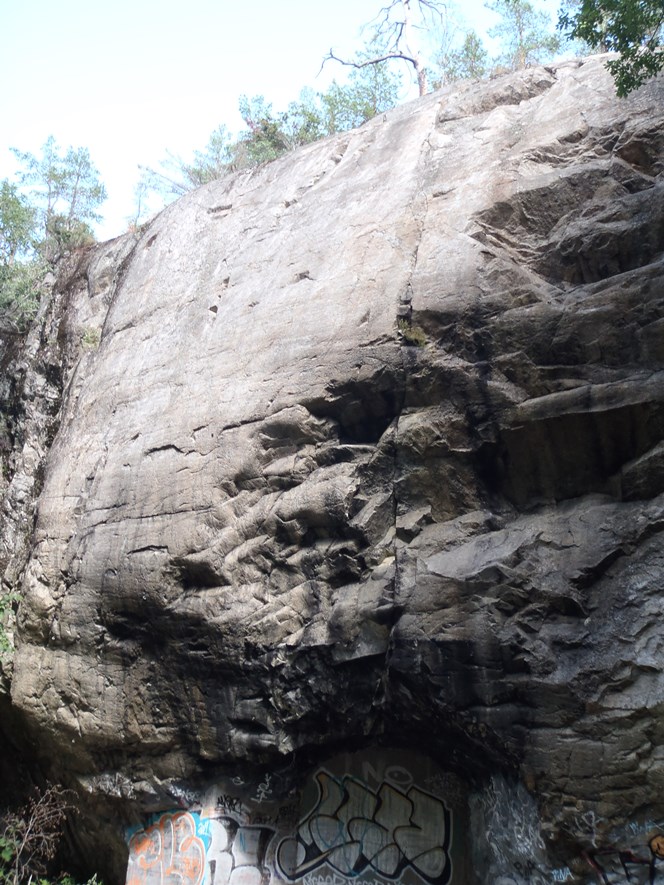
631, 27
303, 121
176, 177
525, 33
394, 37
470, 62
369, 91
269, 134
63, 193
19, 270
20, 294
264, 138
66, 189
17, 224
29, 838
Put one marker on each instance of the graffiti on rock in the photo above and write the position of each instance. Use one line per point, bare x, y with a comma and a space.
264, 790
237, 854
600, 859
656, 845
354, 830
363, 816
513, 847
228, 804
170, 851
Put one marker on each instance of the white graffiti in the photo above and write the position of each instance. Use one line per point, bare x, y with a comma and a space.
353, 829
264, 789
647, 826
236, 855
314, 879
510, 821
588, 824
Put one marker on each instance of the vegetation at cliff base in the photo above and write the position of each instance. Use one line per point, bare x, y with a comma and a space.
30, 837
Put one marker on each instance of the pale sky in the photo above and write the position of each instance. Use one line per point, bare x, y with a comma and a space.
133, 79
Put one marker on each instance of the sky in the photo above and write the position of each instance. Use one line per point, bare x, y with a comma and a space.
134, 79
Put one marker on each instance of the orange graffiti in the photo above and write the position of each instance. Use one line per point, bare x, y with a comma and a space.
167, 853
657, 846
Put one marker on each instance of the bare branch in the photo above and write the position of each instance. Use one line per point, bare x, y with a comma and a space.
31, 835
370, 61
394, 39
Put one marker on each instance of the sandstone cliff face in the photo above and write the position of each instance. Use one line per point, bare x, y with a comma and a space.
369, 455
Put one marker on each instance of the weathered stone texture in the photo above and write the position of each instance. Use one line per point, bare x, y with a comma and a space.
270, 524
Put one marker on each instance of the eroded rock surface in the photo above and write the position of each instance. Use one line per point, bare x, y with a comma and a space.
371, 451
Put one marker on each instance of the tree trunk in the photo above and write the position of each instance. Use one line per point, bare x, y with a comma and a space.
412, 49
422, 82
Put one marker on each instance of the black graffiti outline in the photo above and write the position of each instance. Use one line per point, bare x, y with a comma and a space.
626, 857
314, 857
228, 804
233, 829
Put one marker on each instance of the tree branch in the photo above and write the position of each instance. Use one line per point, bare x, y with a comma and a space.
392, 35
370, 61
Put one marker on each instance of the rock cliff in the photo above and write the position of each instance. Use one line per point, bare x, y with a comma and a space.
357, 461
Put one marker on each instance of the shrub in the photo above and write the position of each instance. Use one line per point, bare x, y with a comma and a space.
29, 837
413, 335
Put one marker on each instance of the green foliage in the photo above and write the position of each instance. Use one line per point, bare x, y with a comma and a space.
7, 601
64, 234
373, 87
19, 297
525, 33
210, 163
65, 186
264, 139
66, 879
17, 224
90, 338
470, 62
412, 335
269, 134
631, 27
63, 194
20, 292
370, 91
303, 120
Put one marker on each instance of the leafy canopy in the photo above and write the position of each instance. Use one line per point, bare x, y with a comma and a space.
269, 134
631, 27
61, 186
524, 32
17, 224
47, 211
470, 62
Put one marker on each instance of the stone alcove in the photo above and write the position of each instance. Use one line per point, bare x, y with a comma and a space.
377, 816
